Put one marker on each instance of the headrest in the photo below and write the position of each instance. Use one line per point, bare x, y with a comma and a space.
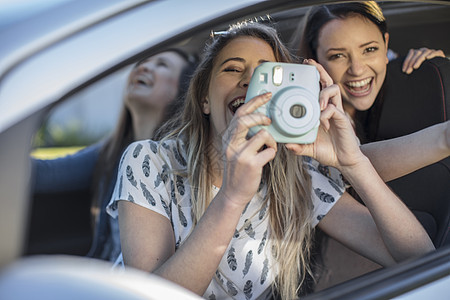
415, 101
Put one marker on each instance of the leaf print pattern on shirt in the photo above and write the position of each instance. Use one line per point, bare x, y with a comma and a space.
130, 176
320, 217
263, 242
248, 262
182, 217
153, 146
335, 186
130, 198
172, 193
262, 212
178, 156
264, 272
231, 259
147, 194
120, 186
249, 229
165, 146
180, 185
248, 289
245, 209
231, 288
177, 244
241, 272
219, 277
146, 165
324, 170
324, 197
123, 157
162, 176
137, 150
166, 208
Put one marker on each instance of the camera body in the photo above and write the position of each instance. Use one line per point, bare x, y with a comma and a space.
294, 108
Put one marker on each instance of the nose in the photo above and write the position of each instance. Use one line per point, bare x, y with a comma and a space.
356, 66
146, 66
246, 76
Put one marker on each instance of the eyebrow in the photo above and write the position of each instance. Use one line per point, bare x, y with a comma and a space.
360, 46
240, 59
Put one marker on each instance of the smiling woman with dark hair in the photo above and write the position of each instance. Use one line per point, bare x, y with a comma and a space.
350, 40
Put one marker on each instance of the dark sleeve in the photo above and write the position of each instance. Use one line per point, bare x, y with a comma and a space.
69, 173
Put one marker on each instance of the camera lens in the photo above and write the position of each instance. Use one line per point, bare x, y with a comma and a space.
297, 111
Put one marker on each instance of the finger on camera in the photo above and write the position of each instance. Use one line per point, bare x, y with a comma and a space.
262, 138
330, 95
254, 103
327, 114
254, 119
325, 78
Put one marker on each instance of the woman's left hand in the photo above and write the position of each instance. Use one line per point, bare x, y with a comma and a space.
336, 144
416, 57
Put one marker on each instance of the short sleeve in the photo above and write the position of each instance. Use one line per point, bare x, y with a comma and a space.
141, 179
327, 188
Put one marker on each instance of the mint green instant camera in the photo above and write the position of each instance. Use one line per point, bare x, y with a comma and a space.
294, 108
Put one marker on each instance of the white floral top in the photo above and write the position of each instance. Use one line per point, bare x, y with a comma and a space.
246, 270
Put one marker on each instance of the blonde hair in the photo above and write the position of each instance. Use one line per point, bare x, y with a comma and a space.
288, 184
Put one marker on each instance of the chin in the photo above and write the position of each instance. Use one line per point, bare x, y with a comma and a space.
360, 104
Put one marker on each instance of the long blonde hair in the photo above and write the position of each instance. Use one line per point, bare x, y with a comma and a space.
288, 184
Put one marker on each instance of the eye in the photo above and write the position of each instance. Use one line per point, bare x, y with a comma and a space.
335, 56
162, 63
371, 49
232, 69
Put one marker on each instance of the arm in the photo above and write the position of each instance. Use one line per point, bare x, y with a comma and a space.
147, 238
416, 57
69, 173
410, 152
148, 243
385, 230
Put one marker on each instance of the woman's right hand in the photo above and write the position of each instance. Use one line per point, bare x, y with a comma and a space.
245, 158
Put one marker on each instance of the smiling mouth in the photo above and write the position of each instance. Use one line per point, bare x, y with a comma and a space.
359, 88
144, 81
236, 103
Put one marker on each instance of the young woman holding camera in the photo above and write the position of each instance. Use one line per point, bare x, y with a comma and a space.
226, 216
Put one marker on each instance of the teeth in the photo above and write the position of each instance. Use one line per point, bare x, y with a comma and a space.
238, 102
359, 83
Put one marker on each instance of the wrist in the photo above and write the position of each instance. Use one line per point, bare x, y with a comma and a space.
230, 202
357, 170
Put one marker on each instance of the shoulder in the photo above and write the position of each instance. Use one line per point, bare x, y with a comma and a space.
168, 153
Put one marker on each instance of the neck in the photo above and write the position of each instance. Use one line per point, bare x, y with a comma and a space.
145, 123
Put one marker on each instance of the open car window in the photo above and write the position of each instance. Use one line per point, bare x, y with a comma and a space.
83, 109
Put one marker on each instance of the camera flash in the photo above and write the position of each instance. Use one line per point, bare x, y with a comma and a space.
277, 75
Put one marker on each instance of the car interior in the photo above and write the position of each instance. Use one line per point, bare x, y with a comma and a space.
426, 191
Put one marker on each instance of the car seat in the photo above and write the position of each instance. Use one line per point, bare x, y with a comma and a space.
411, 103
